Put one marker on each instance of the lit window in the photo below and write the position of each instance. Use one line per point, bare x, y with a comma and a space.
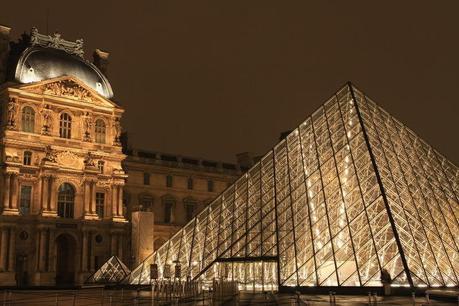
190, 183
100, 166
65, 201
210, 186
100, 131
26, 199
169, 181
27, 160
28, 119
100, 202
65, 126
146, 178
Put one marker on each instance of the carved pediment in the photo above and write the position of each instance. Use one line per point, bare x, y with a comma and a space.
68, 87
68, 159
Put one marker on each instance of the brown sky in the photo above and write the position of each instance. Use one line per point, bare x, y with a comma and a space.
213, 78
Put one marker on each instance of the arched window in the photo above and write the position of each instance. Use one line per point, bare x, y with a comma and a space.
65, 126
100, 131
65, 201
28, 119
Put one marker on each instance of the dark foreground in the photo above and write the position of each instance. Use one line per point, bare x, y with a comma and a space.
99, 297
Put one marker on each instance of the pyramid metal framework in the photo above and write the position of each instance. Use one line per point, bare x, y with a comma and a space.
350, 193
113, 271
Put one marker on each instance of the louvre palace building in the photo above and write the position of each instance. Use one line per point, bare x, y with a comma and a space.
68, 189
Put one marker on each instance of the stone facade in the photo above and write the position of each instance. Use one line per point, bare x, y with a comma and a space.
175, 188
61, 179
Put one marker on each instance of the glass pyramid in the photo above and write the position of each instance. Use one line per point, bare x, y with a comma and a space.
349, 194
112, 271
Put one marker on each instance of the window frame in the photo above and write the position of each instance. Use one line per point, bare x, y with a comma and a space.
100, 132
28, 119
100, 204
22, 200
65, 125
27, 158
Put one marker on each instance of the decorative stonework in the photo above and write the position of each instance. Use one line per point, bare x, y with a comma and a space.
68, 159
50, 155
117, 130
87, 126
57, 42
47, 115
68, 89
12, 114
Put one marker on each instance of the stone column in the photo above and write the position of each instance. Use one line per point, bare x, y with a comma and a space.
86, 197
113, 249
120, 246
84, 251
12, 250
42, 262
14, 191
45, 190
51, 251
120, 200
114, 200
6, 191
52, 193
91, 253
93, 197
4, 249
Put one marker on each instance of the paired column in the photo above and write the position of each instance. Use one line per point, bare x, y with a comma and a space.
114, 200
84, 250
48, 196
8, 249
4, 249
10, 194
120, 200
6, 191
42, 250
90, 200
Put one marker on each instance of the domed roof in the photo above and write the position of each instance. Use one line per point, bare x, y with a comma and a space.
50, 56
38, 63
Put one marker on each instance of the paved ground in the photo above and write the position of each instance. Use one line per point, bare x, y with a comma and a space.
99, 297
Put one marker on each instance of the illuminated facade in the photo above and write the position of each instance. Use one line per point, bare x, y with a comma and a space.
350, 194
61, 178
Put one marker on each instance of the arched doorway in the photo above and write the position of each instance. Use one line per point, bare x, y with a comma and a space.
65, 255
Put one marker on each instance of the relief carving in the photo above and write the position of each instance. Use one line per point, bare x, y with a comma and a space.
69, 89
69, 160
50, 155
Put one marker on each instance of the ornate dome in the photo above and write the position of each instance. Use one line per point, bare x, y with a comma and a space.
50, 57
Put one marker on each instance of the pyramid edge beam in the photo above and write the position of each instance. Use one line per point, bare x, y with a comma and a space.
380, 183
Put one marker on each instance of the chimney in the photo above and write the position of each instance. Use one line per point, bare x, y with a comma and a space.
4, 51
100, 59
245, 160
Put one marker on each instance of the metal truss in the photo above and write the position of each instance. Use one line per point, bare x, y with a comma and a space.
350, 193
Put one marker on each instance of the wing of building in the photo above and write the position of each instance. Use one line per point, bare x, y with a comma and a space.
349, 198
64, 211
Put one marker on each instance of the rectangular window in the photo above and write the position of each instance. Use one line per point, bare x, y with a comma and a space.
26, 200
146, 178
210, 186
169, 181
100, 165
27, 158
100, 203
190, 183
168, 212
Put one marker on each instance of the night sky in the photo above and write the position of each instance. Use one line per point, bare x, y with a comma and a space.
214, 78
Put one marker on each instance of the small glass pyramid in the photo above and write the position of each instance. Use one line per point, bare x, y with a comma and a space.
112, 271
